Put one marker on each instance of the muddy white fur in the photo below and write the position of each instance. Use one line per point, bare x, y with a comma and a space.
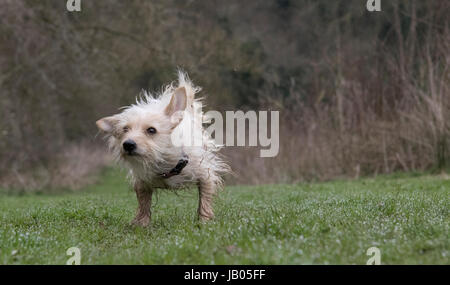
149, 137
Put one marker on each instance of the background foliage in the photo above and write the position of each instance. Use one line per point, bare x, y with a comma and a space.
359, 93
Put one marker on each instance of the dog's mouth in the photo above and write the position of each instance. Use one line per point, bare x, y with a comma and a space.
130, 154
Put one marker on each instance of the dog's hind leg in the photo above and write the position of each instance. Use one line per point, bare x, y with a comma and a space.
206, 191
144, 197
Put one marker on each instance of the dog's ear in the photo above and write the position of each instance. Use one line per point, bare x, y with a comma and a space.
177, 102
177, 105
107, 124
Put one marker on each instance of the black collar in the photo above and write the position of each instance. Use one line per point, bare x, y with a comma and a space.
178, 168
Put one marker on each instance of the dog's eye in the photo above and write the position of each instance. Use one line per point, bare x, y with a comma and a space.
151, 130
126, 129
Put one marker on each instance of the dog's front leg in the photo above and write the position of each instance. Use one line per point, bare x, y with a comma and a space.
206, 191
144, 197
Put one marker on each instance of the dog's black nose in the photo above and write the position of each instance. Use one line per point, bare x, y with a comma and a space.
129, 146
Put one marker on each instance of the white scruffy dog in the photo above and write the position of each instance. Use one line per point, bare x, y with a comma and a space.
162, 141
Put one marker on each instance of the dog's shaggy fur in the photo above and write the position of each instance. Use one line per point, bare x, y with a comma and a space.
149, 127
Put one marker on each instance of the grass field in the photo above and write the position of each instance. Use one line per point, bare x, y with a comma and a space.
407, 218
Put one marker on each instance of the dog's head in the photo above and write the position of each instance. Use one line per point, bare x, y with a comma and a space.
143, 131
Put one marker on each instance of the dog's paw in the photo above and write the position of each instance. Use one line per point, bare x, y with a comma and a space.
204, 219
142, 222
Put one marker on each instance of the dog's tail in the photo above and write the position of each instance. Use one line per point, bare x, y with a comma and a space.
191, 89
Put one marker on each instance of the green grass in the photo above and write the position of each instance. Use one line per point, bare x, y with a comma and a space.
407, 218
